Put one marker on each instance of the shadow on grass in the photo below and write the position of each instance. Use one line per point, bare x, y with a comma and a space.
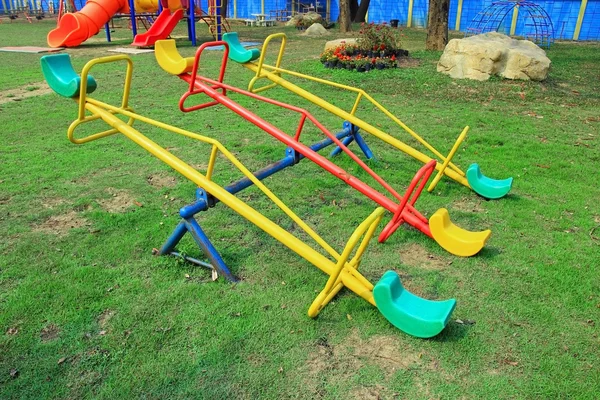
453, 332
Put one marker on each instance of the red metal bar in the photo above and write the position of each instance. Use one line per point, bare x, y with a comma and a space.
404, 212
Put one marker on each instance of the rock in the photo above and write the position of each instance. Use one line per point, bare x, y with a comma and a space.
294, 20
312, 17
479, 57
316, 30
332, 44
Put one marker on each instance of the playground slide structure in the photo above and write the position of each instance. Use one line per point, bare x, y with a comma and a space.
452, 238
75, 28
473, 178
160, 29
412, 314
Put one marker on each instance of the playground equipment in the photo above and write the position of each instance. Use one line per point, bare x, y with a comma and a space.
536, 21
174, 11
452, 238
162, 26
414, 315
486, 187
75, 28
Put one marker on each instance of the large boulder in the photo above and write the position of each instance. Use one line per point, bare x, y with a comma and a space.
332, 44
305, 19
479, 57
316, 30
294, 20
312, 17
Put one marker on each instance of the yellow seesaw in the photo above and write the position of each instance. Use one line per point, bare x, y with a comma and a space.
473, 178
412, 314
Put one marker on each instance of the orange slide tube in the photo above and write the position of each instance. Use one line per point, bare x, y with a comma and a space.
74, 29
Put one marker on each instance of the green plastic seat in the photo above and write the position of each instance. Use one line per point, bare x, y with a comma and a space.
237, 52
61, 76
487, 187
410, 313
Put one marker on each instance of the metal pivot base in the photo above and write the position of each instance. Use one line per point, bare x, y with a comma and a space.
353, 136
204, 201
189, 224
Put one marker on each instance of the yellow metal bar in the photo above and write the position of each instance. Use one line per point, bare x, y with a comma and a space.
370, 99
410, 10
211, 162
355, 107
328, 11
262, 6
451, 173
458, 15
515, 17
235, 9
366, 228
580, 19
261, 61
448, 159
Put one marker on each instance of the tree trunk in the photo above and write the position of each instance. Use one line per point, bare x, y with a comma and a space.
353, 9
437, 25
361, 13
345, 16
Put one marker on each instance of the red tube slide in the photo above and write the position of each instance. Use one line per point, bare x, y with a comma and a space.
74, 29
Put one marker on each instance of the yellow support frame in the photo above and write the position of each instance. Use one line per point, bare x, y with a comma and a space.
458, 15
515, 17
342, 272
580, 19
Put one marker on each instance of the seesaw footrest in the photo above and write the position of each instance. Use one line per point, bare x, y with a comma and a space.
410, 313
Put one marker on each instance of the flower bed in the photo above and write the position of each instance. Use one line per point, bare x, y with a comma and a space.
377, 47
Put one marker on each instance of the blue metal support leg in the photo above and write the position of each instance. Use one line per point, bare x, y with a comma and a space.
354, 135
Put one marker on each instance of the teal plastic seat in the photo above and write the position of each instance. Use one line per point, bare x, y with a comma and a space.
410, 313
487, 187
61, 76
237, 52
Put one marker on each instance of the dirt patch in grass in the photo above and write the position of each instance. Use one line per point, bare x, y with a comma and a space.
161, 181
119, 201
369, 393
415, 255
50, 332
468, 205
62, 224
52, 202
387, 352
104, 318
23, 92
407, 62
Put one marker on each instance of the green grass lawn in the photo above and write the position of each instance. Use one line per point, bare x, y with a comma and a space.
86, 310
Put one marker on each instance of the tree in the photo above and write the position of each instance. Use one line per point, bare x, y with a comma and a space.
437, 25
345, 16
361, 12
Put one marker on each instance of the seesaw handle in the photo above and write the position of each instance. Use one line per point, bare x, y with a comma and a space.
261, 61
410, 197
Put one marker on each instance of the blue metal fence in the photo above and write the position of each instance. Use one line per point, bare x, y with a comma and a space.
563, 13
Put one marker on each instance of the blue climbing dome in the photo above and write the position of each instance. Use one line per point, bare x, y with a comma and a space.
536, 23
